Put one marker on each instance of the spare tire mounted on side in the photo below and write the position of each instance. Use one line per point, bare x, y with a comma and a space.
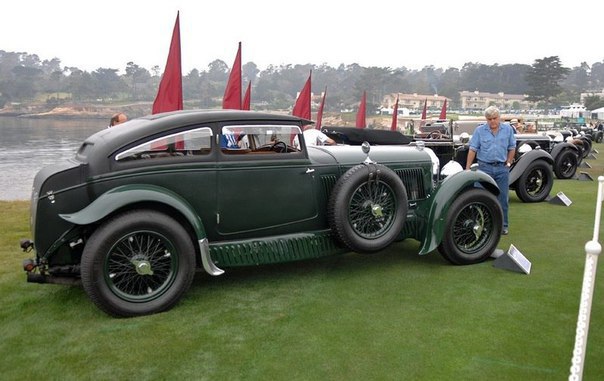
368, 207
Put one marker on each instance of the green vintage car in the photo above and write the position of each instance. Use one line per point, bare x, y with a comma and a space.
143, 205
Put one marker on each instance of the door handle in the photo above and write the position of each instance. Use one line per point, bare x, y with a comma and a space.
310, 170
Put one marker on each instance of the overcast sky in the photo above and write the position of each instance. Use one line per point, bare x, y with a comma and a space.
413, 34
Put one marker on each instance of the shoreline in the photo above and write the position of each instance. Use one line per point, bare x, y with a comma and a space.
76, 111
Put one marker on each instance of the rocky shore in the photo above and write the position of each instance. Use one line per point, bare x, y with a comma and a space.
75, 111
134, 110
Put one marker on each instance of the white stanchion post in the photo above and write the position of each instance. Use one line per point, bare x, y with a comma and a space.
592, 250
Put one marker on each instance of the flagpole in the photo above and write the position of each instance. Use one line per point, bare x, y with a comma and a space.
394, 124
320, 112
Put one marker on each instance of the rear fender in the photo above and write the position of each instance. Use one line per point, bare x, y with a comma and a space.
122, 196
444, 196
525, 160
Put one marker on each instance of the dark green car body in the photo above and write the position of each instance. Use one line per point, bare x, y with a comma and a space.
144, 204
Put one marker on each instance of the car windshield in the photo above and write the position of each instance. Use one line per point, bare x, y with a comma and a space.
257, 136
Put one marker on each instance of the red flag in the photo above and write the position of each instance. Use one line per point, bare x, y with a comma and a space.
361, 123
425, 107
320, 112
302, 106
248, 97
394, 115
232, 92
443, 111
169, 95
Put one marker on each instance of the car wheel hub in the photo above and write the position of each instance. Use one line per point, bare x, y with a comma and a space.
143, 267
376, 210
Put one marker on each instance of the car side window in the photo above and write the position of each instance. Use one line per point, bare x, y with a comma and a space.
258, 139
185, 143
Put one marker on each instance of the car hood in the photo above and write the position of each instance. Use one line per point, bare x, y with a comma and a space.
351, 155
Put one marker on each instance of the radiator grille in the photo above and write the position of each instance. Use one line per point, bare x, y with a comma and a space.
414, 182
412, 178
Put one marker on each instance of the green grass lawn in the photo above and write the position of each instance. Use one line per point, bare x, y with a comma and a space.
393, 315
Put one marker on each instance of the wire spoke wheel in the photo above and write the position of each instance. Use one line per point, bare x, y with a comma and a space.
367, 207
140, 266
472, 228
372, 209
138, 262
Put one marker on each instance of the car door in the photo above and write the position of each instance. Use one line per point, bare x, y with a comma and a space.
263, 188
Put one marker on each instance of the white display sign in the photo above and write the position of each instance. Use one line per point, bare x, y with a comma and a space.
520, 259
513, 260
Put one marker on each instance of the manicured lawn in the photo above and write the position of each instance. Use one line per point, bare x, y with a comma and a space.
393, 315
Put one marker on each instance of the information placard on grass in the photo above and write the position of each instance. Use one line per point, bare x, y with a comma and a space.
513, 260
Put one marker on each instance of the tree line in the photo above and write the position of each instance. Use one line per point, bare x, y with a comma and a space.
25, 78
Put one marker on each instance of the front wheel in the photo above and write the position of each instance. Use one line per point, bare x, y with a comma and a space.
536, 182
473, 227
138, 263
565, 165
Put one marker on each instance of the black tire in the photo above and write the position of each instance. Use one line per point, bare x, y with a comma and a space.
586, 147
138, 263
566, 163
580, 147
367, 207
536, 182
473, 227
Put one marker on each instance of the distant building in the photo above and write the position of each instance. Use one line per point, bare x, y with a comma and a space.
591, 93
414, 101
469, 101
478, 101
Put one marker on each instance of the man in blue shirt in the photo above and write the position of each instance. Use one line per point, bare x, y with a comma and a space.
493, 144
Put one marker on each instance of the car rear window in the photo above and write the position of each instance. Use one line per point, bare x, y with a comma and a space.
185, 143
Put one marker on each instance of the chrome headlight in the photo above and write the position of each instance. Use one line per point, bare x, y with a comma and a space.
525, 148
451, 168
435, 161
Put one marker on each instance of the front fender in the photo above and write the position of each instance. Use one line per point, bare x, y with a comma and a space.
559, 147
525, 160
445, 194
125, 195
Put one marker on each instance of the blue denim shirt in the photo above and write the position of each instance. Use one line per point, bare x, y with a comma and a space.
493, 148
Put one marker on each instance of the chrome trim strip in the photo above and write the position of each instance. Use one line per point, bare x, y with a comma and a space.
206, 259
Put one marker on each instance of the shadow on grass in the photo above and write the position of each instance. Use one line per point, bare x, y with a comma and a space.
401, 255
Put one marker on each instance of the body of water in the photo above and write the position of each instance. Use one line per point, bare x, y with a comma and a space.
27, 145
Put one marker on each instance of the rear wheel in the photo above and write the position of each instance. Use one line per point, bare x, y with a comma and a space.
138, 263
473, 227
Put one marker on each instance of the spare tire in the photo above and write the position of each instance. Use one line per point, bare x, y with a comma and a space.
367, 207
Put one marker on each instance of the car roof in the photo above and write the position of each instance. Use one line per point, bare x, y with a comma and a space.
108, 140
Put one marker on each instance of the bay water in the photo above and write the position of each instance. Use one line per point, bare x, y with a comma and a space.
27, 145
